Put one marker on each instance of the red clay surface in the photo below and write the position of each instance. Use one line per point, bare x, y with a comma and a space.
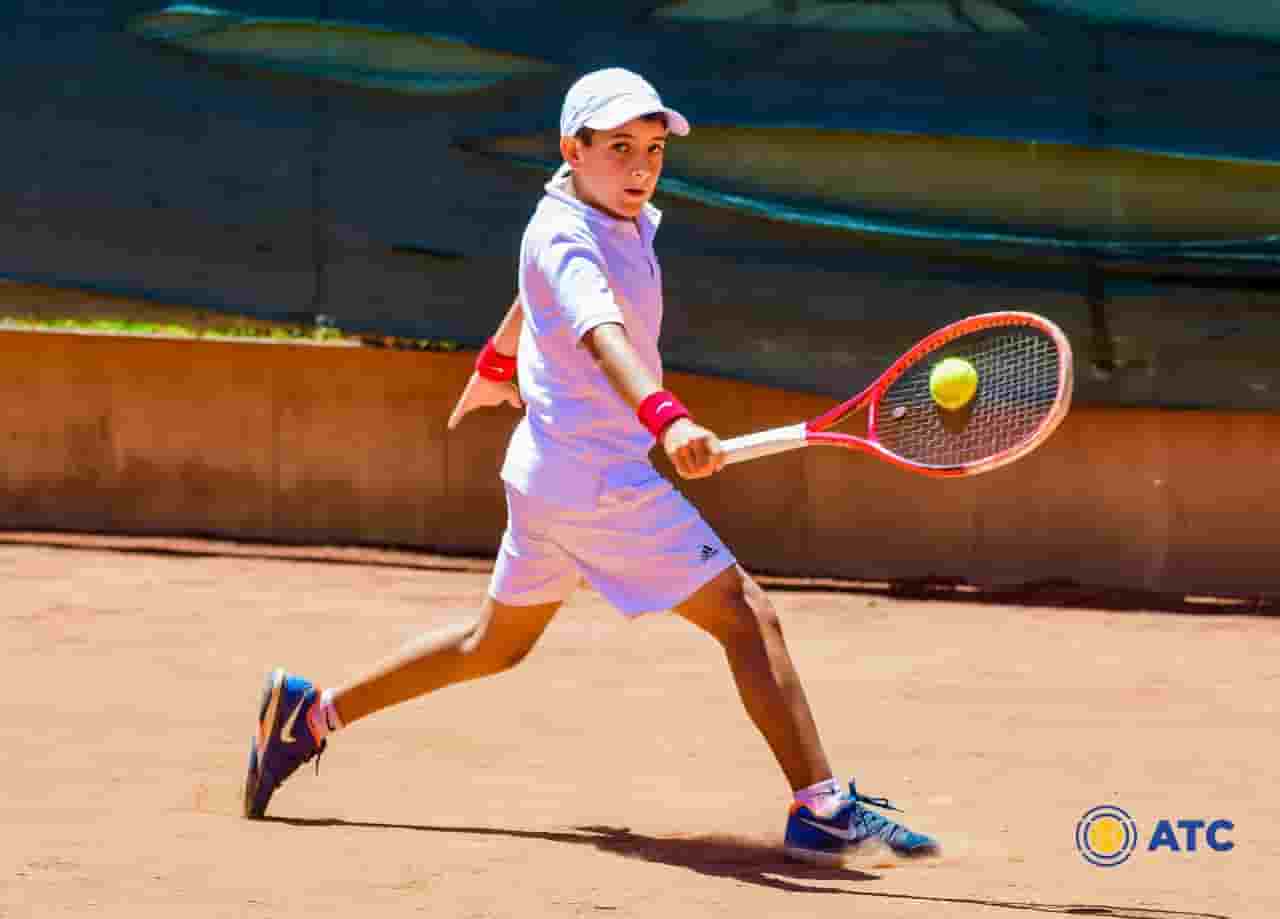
614, 773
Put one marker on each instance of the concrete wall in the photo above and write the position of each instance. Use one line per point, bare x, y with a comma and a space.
347, 445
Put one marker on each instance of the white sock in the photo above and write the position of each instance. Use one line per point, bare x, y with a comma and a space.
824, 798
323, 718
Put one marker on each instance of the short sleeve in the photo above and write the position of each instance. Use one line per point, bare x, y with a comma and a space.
576, 274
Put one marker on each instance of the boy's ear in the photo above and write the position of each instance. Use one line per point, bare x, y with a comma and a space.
571, 150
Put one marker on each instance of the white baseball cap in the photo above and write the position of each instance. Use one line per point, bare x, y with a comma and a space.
604, 99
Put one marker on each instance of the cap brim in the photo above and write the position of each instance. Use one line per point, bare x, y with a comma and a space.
620, 111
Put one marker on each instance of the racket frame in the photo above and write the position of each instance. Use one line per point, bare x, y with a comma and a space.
816, 431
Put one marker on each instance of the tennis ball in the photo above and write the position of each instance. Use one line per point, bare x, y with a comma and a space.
953, 383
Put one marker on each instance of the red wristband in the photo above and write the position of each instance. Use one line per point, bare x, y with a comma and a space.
493, 365
657, 411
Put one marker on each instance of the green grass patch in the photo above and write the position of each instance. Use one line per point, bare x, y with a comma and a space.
258, 331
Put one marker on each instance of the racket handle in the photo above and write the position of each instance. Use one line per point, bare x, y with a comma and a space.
764, 443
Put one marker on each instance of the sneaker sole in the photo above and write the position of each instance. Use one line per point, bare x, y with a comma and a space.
268, 713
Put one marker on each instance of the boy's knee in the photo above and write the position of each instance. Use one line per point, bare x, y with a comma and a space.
513, 656
494, 650
750, 615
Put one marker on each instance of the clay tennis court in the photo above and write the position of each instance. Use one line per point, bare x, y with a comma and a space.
614, 773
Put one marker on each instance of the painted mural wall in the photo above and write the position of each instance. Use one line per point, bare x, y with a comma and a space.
860, 171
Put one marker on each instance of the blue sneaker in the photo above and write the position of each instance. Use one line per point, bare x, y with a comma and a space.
283, 742
826, 840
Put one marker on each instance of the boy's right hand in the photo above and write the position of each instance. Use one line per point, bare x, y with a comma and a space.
482, 393
693, 450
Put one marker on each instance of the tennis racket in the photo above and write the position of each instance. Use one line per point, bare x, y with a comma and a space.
1024, 390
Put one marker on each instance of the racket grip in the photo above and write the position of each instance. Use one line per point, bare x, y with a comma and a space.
764, 443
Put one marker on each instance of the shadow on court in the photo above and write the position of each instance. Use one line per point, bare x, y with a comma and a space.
750, 862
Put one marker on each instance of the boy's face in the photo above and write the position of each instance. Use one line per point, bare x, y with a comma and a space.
618, 171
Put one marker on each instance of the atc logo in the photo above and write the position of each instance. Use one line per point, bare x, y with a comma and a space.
1106, 836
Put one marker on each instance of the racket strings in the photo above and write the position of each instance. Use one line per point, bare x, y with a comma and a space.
1018, 381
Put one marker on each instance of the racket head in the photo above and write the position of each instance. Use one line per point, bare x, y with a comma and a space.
1025, 378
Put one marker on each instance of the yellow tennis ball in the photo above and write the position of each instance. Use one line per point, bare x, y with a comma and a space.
953, 383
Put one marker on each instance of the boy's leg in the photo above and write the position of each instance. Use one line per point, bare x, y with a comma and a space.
823, 822
496, 641
735, 611
293, 717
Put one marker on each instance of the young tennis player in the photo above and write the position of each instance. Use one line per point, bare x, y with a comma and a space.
582, 496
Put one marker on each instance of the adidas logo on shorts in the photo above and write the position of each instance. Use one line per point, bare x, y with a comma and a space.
708, 552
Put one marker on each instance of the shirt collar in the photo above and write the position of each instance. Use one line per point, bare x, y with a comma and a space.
647, 222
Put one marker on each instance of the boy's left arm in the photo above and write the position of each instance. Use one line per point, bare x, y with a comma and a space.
694, 451
481, 391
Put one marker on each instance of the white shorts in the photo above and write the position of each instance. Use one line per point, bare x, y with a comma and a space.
644, 548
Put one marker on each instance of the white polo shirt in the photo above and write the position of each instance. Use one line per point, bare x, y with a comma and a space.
580, 268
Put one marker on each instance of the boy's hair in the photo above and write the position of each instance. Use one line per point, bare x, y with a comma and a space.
586, 135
